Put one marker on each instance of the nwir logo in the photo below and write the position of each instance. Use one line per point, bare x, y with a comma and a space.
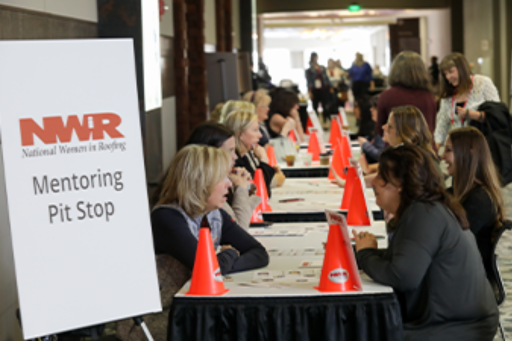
93, 126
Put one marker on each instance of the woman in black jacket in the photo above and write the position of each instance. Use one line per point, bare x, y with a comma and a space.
475, 185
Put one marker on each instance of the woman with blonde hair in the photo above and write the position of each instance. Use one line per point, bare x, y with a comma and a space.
461, 95
251, 155
475, 185
232, 105
361, 76
192, 196
410, 85
261, 101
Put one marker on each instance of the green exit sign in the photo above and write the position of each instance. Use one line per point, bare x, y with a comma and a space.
354, 8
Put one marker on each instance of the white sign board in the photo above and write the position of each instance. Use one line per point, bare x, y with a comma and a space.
76, 192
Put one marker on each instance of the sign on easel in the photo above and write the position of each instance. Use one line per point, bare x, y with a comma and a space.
343, 117
75, 183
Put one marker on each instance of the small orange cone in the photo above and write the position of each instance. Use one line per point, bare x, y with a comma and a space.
338, 162
314, 147
261, 191
309, 125
358, 214
272, 161
335, 132
292, 137
351, 178
339, 272
206, 276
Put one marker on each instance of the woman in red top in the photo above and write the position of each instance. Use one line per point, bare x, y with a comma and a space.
409, 81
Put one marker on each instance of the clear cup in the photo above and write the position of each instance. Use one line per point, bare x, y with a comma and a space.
307, 159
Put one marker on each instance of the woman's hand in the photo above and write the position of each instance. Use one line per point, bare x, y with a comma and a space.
462, 113
337, 179
240, 177
228, 247
279, 176
361, 140
364, 240
260, 153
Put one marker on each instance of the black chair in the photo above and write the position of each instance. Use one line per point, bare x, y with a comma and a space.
493, 272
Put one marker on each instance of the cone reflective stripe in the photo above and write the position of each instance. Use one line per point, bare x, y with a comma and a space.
292, 137
349, 186
338, 270
206, 276
335, 132
272, 161
261, 191
314, 147
338, 162
309, 125
358, 210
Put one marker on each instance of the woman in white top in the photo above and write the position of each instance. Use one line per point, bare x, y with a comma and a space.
461, 95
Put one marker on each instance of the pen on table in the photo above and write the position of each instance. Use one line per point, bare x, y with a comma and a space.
291, 200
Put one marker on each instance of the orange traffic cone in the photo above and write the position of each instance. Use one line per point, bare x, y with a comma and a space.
347, 151
351, 178
314, 147
339, 272
261, 191
335, 132
292, 137
206, 276
338, 162
309, 125
358, 214
272, 161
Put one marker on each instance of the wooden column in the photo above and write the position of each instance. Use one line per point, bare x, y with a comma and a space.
220, 26
228, 26
198, 112
181, 71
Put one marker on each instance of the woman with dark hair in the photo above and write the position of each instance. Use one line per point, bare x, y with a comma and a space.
461, 95
283, 114
475, 185
371, 149
241, 200
432, 261
319, 86
410, 85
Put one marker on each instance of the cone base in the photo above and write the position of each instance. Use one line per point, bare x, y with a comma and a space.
340, 290
215, 294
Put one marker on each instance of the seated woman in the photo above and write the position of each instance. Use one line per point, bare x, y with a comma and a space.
232, 105
432, 261
372, 149
261, 101
475, 185
250, 154
193, 194
241, 200
283, 114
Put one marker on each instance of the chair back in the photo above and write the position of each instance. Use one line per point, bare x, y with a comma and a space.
495, 276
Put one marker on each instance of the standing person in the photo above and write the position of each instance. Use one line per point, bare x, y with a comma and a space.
433, 69
334, 73
475, 186
461, 95
261, 101
318, 86
432, 261
409, 83
361, 75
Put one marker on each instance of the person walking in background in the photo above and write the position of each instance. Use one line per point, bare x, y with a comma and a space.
318, 86
433, 70
361, 75
410, 85
461, 95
